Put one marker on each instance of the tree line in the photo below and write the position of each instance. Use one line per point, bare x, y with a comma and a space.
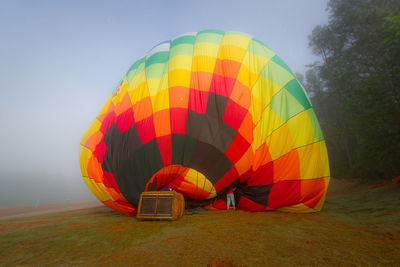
355, 87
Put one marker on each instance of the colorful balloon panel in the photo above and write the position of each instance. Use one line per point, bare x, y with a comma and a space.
201, 114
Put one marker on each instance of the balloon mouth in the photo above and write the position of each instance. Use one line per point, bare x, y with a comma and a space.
189, 182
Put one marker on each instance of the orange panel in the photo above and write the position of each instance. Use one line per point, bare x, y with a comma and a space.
241, 95
246, 128
121, 208
261, 157
227, 68
93, 140
201, 81
162, 123
142, 109
245, 162
287, 167
94, 170
124, 105
178, 97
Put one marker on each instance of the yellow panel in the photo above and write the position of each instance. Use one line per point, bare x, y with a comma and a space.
206, 49
256, 108
231, 52
180, 62
280, 142
236, 40
269, 122
98, 189
265, 89
310, 161
298, 208
198, 179
136, 81
161, 101
179, 77
245, 77
203, 63
255, 63
155, 85
139, 93
257, 140
301, 129
324, 158
90, 130
121, 93
84, 155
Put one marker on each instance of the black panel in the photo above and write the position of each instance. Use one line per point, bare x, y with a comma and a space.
137, 171
209, 130
182, 149
220, 168
258, 193
216, 105
119, 147
205, 158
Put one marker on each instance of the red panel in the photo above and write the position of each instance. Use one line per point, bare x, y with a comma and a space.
100, 150
284, 193
220, 204
107, 122
165, 146
109, 181
222, 85
227, 179
263, 175
198, 101
178, 120
234, 114
125, 120
146, 129
249, 205
312, 191
237, 148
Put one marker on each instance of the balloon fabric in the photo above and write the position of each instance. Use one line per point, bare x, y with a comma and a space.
204, 113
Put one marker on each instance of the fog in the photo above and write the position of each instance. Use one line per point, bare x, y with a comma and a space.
60, 60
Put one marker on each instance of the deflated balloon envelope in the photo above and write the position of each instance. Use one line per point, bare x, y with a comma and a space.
201, 114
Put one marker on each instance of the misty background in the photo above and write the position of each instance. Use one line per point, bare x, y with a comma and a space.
60, 60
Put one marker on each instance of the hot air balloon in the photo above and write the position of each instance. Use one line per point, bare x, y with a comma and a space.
204, 113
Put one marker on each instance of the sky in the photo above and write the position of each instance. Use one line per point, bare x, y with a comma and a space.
60, 60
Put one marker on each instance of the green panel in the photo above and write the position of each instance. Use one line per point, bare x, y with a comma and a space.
133, 69
315, 124
159, 57
279, 61
209, 38
187, 39
297, 91
212, 31
156, 70
285, 105
182, 49
276, 73
258, 49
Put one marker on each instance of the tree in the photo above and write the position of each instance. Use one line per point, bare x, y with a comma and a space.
355, 87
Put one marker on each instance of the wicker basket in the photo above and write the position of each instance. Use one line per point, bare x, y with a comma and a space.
160, 205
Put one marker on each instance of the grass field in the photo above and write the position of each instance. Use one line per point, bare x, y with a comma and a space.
358, 226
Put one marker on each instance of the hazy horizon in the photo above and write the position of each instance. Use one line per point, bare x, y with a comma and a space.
60, 60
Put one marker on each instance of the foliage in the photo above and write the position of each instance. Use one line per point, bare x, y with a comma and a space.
355, 88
